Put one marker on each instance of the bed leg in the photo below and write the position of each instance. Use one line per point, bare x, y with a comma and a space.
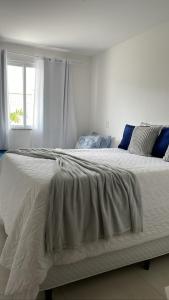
48, 294
146, 265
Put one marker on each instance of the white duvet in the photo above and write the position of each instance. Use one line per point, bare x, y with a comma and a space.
23, 210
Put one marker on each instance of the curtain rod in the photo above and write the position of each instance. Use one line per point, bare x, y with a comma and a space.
59, 59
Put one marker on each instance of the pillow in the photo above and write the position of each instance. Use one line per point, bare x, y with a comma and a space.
89, 141
166, 157
143, 139
106, 141
154, 125
161, 144
145, 124
128, 131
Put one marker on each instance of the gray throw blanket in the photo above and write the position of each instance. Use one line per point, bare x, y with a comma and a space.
88, 201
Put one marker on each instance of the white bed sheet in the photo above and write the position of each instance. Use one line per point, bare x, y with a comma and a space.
19, 175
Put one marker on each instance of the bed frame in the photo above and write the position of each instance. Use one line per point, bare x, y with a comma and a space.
60, 275
48, 293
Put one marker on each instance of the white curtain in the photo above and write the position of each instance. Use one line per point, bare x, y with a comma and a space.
59, 113
3, 101
37, 130
69, 119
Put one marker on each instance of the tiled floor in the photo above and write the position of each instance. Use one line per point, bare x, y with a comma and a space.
129, 283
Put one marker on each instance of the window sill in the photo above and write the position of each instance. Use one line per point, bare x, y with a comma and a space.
20, 128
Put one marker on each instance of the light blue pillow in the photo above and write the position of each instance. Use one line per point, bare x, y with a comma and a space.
106, 141
88, 142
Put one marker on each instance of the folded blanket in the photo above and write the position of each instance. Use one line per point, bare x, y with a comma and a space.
88, 201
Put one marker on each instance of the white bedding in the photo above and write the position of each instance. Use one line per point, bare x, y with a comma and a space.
21, 180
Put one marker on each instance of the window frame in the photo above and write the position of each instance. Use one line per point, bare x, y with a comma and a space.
24, 65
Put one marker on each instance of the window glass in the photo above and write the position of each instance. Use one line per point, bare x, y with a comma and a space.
15, 95
21, 90
30, 91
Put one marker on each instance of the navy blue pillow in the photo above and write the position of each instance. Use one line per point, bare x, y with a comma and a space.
161, 144
128, 130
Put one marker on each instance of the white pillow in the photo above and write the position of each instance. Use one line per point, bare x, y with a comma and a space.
154, 125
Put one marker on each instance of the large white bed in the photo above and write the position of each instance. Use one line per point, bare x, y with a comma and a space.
21, 176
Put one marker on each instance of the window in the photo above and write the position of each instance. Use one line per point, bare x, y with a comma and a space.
21, 91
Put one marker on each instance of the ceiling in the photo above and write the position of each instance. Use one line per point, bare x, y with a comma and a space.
85, 26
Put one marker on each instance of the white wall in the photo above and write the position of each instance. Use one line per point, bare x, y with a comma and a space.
130, 83
81, 78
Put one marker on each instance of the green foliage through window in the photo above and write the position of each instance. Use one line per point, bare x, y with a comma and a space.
16, 116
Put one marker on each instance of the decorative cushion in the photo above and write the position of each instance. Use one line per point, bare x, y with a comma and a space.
166, 157
154, 125
143, 139
106, 141
128, 131
161, 144
89, 141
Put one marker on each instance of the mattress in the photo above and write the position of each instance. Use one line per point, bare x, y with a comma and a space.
19, 174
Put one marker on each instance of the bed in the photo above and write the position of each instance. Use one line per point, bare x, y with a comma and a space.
19, 175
